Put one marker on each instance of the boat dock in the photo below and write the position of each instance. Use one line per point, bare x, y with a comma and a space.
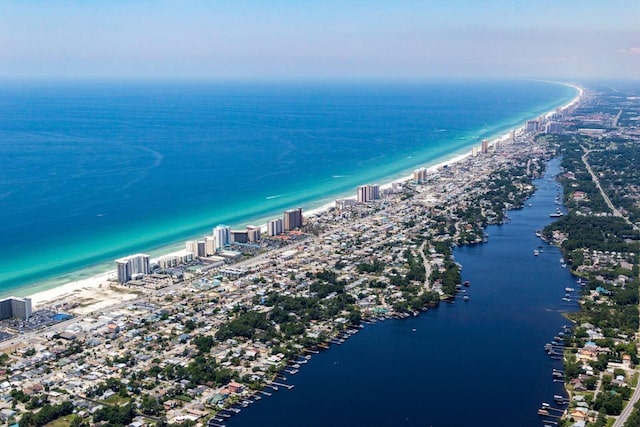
287, 386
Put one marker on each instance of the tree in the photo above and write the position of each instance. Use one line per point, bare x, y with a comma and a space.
150, 406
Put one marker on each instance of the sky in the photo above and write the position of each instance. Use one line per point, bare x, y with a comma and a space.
306, 39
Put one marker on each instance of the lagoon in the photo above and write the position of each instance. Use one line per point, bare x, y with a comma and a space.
476, 363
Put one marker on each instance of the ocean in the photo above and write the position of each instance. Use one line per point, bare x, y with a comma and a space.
475, 363
92, 171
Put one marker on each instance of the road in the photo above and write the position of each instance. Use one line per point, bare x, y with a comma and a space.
595, 179
427, 265
636, 394
627, 409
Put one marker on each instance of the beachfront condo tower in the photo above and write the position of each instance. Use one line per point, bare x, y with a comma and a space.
131, 266
20, 308
222, 235
420, 175
368, 193
275, 227
292, 219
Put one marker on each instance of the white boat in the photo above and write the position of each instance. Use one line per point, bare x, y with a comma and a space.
567, 289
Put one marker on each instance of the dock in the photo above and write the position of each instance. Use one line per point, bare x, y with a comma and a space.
287, 386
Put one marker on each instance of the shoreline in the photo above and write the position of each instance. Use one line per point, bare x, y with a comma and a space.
341, 337
50, 295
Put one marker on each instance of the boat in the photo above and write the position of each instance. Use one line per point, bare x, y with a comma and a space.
557, 214
467, 283
535, 252
465, 298
568, 289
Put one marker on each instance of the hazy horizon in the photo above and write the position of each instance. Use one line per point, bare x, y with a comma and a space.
318, 40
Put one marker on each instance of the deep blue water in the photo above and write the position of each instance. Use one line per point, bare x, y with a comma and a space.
94, 171
479, 363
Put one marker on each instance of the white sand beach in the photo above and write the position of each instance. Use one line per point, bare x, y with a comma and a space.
102, 290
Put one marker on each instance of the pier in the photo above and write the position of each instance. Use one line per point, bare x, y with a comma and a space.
287, 386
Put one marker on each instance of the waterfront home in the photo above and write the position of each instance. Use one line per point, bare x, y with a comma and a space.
577, 385
235, 387
579, 414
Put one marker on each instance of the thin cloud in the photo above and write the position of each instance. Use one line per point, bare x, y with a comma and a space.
634, 50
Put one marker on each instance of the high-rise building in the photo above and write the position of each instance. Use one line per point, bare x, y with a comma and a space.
531, 126
361, 194
191, 246
420, 175
373, 191
292, 219
209, 245
16, 307
553, 127
222, 234
368, 193
239, 236
133, 265
253, 233
275, 227
342, 204
202, 248
485, 146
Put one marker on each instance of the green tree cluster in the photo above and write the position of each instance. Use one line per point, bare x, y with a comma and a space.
46, 414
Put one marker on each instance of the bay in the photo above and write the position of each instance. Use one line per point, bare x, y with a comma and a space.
464, 364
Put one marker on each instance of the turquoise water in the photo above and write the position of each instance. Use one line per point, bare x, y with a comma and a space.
95, 171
